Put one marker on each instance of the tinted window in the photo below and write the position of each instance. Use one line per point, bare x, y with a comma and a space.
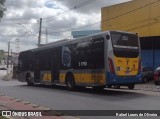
25, 61
129, 41
125, 45
44, 58
88, 54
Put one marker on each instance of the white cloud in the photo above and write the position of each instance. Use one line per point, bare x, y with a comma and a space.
27, 12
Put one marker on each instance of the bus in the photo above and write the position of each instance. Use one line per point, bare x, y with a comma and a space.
104, 59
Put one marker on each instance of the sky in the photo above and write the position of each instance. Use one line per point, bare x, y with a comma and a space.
20, 25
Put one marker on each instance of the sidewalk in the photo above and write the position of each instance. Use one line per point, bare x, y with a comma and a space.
11, 104
149, 86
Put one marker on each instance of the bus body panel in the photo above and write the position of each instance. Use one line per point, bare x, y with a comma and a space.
87, 59
22, 76
86, 77
126, 66
114, 80
46, 76
124, 59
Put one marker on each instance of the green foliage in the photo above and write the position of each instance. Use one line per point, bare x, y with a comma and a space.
2, 8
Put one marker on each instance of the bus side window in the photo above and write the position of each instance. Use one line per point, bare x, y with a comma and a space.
66, 56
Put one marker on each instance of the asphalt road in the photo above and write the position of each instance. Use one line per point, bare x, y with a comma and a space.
58, 98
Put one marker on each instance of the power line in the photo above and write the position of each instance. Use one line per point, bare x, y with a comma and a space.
23, 34
145, 25
142, 21
106, 19
28, 30
131, 11
68, 11
34, 26
55, 17
74, 28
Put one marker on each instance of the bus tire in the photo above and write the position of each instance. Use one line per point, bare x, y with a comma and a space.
109, 86
28, 79
70, 82
98, 88
117, 87
156, 82
145, 80
131, 86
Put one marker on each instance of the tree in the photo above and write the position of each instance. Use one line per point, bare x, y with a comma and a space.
2, 55
2, 8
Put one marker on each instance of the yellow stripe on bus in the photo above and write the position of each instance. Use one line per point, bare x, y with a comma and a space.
86, 78
47, 77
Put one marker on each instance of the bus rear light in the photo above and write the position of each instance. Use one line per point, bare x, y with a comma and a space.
111, 66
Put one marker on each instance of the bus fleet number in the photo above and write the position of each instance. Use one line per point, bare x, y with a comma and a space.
82, 64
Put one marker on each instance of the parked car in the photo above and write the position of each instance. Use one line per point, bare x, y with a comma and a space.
147, 74
157, 76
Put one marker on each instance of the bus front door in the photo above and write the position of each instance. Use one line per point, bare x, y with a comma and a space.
55, 67
37, 70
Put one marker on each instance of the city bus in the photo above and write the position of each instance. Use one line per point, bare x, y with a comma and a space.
104, 59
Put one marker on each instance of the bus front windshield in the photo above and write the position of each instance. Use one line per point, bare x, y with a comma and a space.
125, 44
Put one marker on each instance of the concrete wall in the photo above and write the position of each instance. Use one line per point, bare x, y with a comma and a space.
140, 16
151, 58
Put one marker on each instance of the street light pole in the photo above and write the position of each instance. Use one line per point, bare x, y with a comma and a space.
11, 58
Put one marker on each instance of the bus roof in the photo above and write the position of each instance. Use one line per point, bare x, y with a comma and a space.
68, 41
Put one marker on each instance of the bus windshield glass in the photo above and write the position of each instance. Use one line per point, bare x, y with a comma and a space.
125, 44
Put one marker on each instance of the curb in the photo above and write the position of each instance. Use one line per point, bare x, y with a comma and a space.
12, 103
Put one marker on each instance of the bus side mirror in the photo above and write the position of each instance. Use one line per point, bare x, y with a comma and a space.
107, 37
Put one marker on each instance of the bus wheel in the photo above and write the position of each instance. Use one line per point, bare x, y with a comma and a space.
131, 86
28, 79
109, 86
156, 82
98, 88
70, 82
117, 87
145, 79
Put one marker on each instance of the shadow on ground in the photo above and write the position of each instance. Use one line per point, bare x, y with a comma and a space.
107, 92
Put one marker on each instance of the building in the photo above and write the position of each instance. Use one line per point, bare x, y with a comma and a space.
139, 16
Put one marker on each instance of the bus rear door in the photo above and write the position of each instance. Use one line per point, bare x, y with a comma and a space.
37, 69
55, 66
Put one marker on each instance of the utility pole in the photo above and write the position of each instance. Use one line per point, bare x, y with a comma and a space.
39, 37
17, 46
11, 58
8, 54
46, 36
